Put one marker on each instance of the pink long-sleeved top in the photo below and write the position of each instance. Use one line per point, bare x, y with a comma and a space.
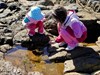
72, 20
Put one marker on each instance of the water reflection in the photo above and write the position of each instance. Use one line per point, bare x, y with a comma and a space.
19, 47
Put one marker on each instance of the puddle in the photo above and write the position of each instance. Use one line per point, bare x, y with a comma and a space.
42, 64
25, 59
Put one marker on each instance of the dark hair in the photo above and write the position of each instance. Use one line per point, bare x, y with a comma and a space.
60, 14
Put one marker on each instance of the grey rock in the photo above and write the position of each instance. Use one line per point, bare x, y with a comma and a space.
86, 64
5, 13
4, 48
35, 73
6, 68
58, 55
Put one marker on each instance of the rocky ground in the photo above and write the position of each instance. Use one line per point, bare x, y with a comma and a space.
18, 54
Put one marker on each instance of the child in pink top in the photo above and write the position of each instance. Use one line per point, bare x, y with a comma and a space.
34, 19
71, 29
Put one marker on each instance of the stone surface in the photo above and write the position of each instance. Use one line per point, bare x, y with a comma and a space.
83, 64
5, 13
7, 68
62, 54
5, 48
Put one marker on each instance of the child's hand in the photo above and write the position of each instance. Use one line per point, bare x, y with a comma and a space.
23, 23
52, 42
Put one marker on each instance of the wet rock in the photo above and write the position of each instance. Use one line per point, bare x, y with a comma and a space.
3, 5
83, 64
5, 48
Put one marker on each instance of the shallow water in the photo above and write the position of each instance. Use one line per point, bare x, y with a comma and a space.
25, 59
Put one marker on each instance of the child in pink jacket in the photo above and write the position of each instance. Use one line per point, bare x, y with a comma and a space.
71, 29
34, 19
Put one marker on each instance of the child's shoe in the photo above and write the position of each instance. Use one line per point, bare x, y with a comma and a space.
69, 48
62, 44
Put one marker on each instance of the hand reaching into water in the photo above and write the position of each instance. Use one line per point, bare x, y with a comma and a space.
52, 42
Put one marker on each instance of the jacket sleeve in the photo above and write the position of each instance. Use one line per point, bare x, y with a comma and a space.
76, 27
58, 38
